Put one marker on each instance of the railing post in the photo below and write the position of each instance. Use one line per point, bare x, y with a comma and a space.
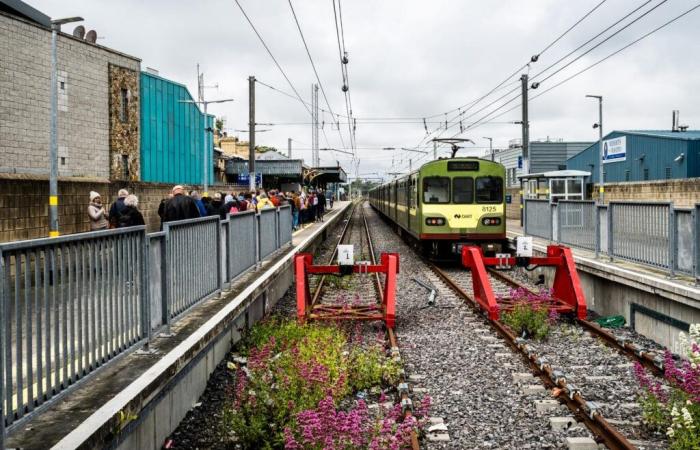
611, 236
672, 247
3, 343
257, 239
229, 248
219, 278
596, 211
167, 270
696, 244
278, 240
145, 291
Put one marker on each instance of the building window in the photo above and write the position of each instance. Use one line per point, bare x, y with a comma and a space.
627, 175
124, 111
125, 166
63, 160
63, 85
668, 173
646, 174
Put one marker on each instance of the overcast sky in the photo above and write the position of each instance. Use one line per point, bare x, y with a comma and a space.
411, 59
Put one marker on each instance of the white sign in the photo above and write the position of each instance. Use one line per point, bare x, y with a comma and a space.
345, 257
524, 246
615, 150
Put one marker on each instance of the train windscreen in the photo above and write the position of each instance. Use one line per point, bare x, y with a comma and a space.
489, 190
436, 190
463, 190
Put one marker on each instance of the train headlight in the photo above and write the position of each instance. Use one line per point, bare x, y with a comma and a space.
491, 221
435, 221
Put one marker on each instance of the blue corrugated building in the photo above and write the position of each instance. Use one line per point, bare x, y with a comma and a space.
641, 155
172, 134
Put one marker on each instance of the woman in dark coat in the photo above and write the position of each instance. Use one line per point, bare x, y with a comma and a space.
130, 215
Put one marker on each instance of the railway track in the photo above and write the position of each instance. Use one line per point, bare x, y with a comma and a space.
586, 367
366, 289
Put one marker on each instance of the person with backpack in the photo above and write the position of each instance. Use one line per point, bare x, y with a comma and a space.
117, 208
130, 215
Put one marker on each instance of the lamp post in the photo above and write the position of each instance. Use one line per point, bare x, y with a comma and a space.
599, 125
490, 147
206, 135
53, 142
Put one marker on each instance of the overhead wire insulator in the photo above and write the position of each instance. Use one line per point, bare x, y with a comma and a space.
345, 59
345, 88
425, 125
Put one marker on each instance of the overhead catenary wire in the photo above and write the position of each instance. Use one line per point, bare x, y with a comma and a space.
269, 52
313, 66
343, 70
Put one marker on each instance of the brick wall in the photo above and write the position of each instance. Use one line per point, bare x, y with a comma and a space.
83, 113
24, 204
683, 193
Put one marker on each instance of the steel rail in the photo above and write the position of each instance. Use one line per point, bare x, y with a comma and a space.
651, 361
567, 394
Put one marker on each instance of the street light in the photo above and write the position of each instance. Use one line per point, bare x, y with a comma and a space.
490, 147
53, 143
599, 125
206, 134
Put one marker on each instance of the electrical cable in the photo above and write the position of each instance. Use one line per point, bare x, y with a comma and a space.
313, 66
269, 52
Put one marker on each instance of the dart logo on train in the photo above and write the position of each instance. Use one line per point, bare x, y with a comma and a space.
446, 204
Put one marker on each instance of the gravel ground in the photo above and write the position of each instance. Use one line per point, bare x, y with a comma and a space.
603, 375
451, 353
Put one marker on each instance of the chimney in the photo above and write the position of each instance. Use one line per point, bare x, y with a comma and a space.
674, 124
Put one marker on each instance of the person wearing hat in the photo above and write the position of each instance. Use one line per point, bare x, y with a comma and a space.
180, 206
96, 213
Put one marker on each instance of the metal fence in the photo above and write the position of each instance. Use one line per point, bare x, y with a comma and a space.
538, 218
71, 304
650, 233
268, 235
577, 223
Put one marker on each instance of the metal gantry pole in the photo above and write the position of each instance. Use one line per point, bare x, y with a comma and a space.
600, 148
53, 143
434, 150
289, 148
205, 151
251, 131
525, 125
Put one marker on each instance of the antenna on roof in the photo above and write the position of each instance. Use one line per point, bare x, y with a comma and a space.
79, 32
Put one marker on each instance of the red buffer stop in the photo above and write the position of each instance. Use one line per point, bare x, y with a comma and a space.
384, 310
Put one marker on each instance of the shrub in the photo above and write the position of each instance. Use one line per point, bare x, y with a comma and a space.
297, 373
530, 315
677, 410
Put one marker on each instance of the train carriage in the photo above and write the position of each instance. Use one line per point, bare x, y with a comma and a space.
446, 204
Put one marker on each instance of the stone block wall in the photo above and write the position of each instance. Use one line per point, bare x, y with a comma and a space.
683, 193
124, 148
83, 113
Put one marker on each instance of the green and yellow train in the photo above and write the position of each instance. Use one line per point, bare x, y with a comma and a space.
446, 204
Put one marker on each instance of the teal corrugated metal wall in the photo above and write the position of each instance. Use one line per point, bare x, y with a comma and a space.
652, 155
172, 134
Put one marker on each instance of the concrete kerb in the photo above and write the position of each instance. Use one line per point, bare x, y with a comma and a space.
135, 397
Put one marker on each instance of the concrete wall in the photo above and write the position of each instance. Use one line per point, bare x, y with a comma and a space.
24, 204
683, 193
83, 116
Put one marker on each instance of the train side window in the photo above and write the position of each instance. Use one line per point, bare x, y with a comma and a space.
436, 190
463, 190
489, 190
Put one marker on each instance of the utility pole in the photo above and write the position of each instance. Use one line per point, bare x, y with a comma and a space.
315, 156
410, 165
434, 150
53, 142
251, 132
601, 160
525, 125
491, 147
289, 148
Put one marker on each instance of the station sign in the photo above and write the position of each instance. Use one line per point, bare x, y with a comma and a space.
615, 150
244, 178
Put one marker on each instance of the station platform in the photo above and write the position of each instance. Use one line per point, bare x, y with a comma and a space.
138, 399
652, 303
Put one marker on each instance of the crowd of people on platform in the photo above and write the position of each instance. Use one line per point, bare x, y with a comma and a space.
307, 206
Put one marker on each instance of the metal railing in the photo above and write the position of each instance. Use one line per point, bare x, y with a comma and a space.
649, 233
71, 304
538, 218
